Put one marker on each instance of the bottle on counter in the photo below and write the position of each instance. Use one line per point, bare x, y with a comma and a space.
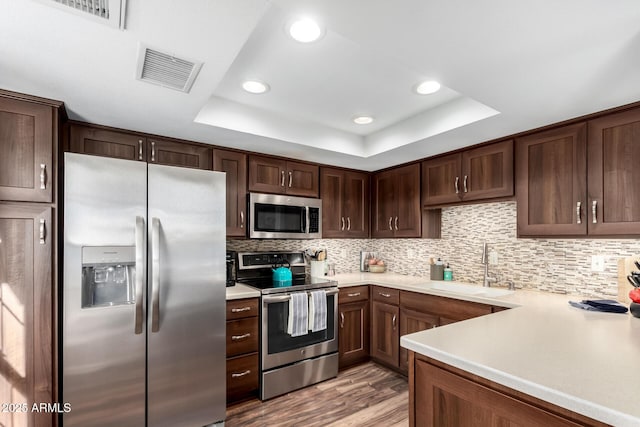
448, 273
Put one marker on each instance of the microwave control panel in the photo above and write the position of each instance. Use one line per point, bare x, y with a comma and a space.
314, 220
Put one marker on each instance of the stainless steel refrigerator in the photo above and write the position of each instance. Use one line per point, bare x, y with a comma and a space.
143, 340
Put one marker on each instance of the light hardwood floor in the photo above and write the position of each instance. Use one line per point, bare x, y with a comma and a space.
365, 395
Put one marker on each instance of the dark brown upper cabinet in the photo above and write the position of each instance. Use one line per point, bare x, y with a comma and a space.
345, 203
481, 173
132, 146
177, 153
273, 175
26, 150
551, 182
234, 164
613, 174
396, 203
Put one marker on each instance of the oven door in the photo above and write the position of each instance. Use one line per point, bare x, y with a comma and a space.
280, 348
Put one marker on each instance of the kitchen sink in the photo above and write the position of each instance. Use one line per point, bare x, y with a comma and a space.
460, 288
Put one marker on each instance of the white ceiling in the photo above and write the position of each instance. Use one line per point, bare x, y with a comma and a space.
506, 66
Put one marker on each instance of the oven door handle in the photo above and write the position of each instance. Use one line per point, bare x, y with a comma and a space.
281, 298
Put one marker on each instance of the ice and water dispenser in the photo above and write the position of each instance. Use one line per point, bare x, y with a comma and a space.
108, 276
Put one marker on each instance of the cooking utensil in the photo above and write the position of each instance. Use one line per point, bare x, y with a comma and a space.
637, 263
634, 280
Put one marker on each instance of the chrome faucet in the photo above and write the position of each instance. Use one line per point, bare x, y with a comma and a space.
488, 280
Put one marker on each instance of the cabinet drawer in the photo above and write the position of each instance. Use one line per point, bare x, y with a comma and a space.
353, 293
242, 376
242, 336
240, 308
386, 295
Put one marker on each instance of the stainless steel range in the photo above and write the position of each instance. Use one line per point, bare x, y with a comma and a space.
290, 362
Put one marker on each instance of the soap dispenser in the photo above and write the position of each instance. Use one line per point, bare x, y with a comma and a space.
448, 273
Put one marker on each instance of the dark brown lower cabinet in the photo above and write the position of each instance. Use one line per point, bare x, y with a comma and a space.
26, 319
242, 349
448, 397
385, 333
353, 336
242, 377
413, 321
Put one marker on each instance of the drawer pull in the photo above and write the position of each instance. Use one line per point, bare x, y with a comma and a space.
357, 294
384, 295
240, 310
42, 232
240, 337
341, 320
240, 374
43, 176
393, 322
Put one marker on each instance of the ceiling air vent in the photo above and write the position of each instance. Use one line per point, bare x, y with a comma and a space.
166, 70
110, 12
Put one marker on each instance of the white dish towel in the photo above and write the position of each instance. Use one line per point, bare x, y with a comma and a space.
318, 311
298, 322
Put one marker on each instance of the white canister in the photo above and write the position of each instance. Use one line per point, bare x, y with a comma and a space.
317, 268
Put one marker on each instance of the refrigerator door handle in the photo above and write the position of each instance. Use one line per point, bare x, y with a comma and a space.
155, 274
140, 268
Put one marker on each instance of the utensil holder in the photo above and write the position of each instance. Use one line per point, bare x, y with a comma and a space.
437, 272
317, 268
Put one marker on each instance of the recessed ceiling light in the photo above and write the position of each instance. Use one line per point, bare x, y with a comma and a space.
255, 86
305, 30
428, 87
362, 120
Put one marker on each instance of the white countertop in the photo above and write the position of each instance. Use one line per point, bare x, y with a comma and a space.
583, 361
240, 291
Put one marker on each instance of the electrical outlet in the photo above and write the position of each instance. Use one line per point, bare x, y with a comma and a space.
597, 263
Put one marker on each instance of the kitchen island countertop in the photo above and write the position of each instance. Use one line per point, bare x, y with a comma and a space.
580, 360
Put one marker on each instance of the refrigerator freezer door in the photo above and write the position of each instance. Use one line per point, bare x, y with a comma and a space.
186, 320
103, 357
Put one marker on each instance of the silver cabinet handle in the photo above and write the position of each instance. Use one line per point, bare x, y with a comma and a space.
43, 232
396, 223
348, 223
390, 219
464, 183
240, 374
357, 294
139, 149
393, 322
290, 178
140, 268
43, 176
153, 151
282, 178
241, 219
456, 185
341, 320
240, 310
384, 295
594, 210
155, 274
240, 337
579, 213
342, 227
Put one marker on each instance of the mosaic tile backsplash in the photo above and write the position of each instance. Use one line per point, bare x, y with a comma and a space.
554, 265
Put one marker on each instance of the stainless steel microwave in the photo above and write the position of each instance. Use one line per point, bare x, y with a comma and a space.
273, 216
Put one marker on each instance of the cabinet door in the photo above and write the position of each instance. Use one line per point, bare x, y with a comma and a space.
385, 336
26, 151
173, 153
487, 171
107, 143
614, 175
267, 175
551, 182
445, 399
302, 179
235, 166
353, 337
356, 204
407, 220
383, 204
441, 180
26, 300
332, 195
413, 321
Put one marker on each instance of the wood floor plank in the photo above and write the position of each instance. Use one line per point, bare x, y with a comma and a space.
365, 395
